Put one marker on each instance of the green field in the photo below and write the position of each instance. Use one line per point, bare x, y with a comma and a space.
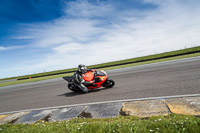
122, 124
179, 54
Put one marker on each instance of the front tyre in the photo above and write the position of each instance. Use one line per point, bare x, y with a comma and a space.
109, 83
73, 87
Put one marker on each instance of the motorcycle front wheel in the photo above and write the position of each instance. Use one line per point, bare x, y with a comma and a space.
73, 87
109, 83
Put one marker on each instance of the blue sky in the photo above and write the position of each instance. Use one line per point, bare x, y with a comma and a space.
46, 35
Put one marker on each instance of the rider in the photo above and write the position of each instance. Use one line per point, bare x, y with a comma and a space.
78, 78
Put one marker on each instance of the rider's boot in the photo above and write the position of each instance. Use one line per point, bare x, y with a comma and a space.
84, 89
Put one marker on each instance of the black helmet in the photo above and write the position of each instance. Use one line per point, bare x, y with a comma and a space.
82, 68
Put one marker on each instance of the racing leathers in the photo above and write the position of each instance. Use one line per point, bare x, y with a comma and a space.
80, 82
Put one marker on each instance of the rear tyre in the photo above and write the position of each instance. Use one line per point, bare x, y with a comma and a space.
109, 83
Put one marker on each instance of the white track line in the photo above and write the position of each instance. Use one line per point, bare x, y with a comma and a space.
85, 104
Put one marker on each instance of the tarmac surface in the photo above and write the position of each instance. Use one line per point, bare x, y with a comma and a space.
179, 77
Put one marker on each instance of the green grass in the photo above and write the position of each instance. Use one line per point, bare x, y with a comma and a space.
161, 55
160, 124
107, 68
33, 80
153, 61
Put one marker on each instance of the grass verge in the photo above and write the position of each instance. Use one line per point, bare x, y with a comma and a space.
107, 68
123, 124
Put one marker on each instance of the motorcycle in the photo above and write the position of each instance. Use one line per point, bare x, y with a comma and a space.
101, 80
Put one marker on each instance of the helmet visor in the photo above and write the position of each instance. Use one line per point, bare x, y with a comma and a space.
83, 69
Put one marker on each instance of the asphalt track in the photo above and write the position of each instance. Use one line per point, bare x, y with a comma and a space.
178, 77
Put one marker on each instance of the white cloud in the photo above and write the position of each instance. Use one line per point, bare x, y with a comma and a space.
2, 48
69, 48
22, 37
64, 31
83, 8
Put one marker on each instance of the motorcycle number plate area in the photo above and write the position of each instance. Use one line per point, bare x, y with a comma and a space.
88, 76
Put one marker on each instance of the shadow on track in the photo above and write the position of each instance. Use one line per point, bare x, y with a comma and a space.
72, 94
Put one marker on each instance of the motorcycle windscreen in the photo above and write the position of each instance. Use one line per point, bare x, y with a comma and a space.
88, 76
100, 73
